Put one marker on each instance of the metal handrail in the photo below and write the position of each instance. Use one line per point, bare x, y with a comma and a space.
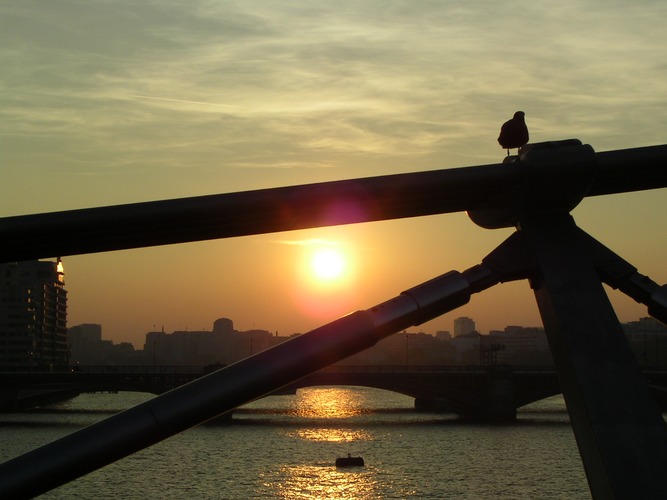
350, 201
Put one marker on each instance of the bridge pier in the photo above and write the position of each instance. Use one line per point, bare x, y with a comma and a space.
501, 405
15, 399
8, 399
436, 404
491, 398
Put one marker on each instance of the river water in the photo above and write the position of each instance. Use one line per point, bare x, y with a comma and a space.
286, 446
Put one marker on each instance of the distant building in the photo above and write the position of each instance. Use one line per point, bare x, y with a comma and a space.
648, 341
223, 345
224, 326
443, 335
466, 346
644, 327
463, 326
156, 347
406, 349
88, 348
83, 341
33, 316
521, 345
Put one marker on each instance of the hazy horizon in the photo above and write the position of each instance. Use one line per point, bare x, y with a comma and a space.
111, 103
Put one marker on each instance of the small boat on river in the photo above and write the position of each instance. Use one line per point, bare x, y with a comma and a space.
349, 461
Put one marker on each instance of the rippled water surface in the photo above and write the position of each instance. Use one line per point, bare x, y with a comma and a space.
285, 447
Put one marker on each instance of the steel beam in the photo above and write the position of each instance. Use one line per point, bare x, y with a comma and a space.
202, 399
621, 435
368, 199
207, 397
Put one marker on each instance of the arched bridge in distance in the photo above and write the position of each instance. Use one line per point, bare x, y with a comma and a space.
491, 393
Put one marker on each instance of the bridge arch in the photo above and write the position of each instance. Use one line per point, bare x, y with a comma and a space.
480, 392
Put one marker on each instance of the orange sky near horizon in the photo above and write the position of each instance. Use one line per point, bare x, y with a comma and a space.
113, 103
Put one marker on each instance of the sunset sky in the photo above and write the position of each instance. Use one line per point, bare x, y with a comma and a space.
113, 102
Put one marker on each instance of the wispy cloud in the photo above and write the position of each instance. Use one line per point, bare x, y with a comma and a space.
112, 102
374, 85
310, 242
184, 101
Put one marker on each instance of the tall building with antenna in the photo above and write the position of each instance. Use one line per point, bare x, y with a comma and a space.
33, 316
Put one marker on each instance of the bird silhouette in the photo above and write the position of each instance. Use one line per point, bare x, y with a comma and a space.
514, 133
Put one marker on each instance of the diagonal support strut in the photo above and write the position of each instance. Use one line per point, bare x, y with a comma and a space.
620, 274
163, 416
621, 435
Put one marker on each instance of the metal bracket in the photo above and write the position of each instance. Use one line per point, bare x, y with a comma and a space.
555, 177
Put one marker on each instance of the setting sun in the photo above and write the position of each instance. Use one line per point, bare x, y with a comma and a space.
327, 264
325, 272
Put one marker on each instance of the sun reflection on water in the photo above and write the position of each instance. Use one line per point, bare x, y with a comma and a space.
328, 402
330, 415
333, 435
335, 406
317, 482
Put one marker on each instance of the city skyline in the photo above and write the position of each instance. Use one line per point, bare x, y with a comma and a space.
412, 331
107, 104
224, 345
